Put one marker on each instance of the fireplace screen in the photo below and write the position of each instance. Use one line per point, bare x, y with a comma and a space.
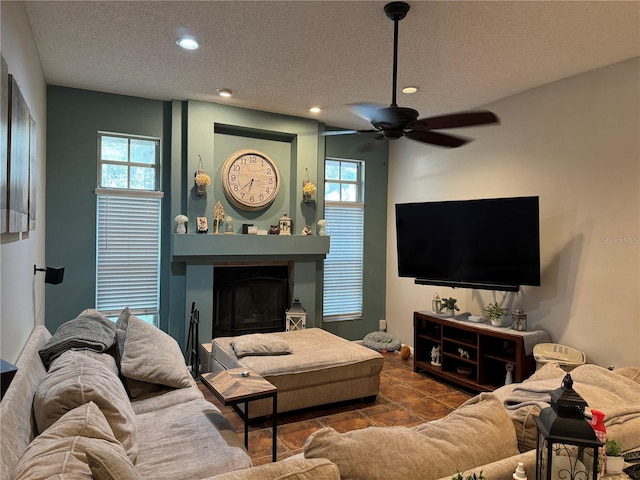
250, 299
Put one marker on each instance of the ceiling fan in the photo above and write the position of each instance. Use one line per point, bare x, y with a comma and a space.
394, 122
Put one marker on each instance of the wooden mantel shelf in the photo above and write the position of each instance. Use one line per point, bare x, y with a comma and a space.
193, 247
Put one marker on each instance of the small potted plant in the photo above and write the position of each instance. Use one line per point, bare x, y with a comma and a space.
449, 306
614, 462
475, 476
495, 314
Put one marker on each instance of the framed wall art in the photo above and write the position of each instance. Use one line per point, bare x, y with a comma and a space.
4, 141
203, 227
18, 174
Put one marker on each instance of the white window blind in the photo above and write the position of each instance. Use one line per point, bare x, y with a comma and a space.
343, 269
128, 253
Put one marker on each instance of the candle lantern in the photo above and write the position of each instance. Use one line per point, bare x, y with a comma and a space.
296, 316
285, 224
436, 303
567, 447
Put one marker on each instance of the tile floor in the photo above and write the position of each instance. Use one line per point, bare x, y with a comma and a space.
406, 398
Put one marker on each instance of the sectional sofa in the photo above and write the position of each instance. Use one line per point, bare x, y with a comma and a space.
129, 409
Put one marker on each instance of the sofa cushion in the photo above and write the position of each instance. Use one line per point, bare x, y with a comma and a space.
191, 440
75, 379
60, 451
150, 356
108, 464
295, 469
478, 432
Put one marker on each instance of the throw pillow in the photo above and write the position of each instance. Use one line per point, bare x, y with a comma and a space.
259, 344
152, 356
474, 434
111, 465
60, 451
75, 379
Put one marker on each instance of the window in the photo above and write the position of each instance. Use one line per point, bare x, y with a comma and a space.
128, 226
344, 212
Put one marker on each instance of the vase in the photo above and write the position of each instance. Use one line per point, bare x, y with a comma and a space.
306, 198
449, 312
201, 190
497, 322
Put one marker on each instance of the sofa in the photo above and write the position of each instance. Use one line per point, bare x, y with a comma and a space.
82, 418
129, 409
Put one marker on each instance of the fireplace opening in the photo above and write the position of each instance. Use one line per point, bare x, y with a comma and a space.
249, 299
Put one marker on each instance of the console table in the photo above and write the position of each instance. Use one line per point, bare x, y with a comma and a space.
473, 355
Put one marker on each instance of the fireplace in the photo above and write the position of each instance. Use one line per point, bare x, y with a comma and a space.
249, 299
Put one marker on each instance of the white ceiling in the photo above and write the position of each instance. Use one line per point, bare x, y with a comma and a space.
282, 56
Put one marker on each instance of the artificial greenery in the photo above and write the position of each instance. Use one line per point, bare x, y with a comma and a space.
494, 311
475, 476
449, 304
613, 448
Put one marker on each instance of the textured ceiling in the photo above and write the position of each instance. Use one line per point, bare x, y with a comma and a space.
283, 56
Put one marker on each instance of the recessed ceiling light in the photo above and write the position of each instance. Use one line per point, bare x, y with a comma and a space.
315, 108
409, 89
225, 92
188, 43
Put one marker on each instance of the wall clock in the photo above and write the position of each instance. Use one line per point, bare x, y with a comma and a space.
250, 179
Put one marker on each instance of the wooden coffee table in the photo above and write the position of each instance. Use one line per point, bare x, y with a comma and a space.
232, 388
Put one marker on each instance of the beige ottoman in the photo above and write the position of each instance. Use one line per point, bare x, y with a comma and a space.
322, 368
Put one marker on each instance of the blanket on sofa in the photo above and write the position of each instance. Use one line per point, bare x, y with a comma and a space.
613, 392
616, 395
89, 330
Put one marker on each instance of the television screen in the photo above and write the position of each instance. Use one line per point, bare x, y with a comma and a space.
489, 243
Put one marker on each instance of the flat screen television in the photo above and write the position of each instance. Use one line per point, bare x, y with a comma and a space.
491, 244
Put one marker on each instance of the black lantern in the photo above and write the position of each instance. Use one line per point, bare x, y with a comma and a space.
567, 447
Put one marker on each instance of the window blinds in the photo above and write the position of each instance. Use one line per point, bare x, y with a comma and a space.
343, 268
128, 254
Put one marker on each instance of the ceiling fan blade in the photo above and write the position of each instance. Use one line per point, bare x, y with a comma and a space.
331, 133
366, 111
455, 120
436, 138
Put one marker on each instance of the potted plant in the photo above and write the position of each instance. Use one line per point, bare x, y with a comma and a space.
495, 314
475, 476
614, 462
449, 306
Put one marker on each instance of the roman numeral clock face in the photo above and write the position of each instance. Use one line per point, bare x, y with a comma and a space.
250, 180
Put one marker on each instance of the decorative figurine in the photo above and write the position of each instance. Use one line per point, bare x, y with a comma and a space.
435, 356
463, 353
181, 219
509, 377
229, 226
218, 215
274, 230
322, 225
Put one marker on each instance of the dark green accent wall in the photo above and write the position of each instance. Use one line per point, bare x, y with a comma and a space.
73, 119
375, 224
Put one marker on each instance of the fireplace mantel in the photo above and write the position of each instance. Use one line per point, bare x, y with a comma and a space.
197, 247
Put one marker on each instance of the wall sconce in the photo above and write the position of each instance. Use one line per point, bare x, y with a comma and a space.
53, 275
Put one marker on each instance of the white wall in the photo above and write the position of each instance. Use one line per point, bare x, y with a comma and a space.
22, 294
575, 143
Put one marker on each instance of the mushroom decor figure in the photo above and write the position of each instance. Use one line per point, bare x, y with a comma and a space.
181, 219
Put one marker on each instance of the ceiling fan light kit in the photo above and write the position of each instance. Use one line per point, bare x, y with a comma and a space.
394, 122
